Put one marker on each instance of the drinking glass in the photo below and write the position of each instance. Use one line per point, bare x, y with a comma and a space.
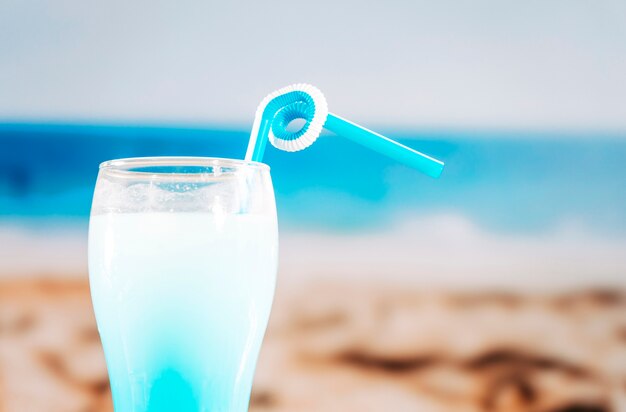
182, 269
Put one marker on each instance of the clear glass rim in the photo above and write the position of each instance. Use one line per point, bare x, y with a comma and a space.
126, 165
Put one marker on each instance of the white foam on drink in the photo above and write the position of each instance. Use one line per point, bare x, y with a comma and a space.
227, 192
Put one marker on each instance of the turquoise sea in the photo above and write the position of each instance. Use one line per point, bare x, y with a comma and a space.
505, 181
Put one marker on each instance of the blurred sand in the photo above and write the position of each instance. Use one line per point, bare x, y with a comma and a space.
336, 347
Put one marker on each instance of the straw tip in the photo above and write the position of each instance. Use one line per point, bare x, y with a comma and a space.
439, 170
435, 169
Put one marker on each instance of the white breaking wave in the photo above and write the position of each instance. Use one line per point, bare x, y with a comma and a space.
449, 251
26, 251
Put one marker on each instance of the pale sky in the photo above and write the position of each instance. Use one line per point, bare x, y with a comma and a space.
438, 63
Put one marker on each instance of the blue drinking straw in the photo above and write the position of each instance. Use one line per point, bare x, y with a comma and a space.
303, 101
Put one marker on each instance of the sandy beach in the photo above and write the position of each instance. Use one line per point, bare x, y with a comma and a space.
334, 346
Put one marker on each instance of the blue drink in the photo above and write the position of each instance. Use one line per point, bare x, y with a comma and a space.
182, 271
